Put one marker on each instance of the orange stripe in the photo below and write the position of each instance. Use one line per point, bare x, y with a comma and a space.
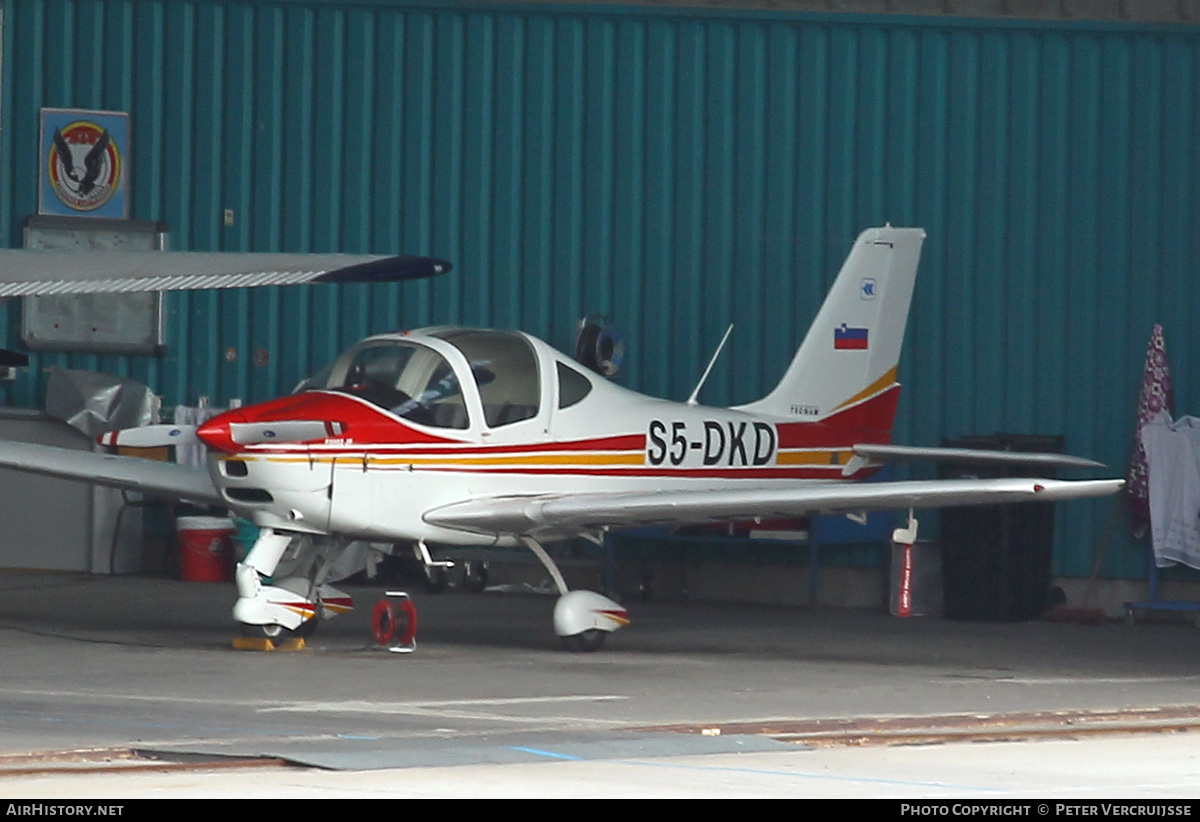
812, 457
880, 384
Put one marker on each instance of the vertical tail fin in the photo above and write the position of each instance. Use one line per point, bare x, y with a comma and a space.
849, 357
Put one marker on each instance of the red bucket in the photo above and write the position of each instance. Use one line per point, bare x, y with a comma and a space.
206, 548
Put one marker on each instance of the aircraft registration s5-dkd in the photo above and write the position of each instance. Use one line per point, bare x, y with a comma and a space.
477, 437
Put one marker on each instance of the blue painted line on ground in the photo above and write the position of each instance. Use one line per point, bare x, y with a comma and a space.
547, 754
759, 771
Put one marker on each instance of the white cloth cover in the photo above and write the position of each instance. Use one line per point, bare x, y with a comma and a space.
1173, 452
195, 454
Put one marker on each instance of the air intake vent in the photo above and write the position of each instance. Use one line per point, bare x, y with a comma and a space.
249, 495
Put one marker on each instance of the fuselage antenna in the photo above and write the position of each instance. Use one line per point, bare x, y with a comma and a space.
692, 399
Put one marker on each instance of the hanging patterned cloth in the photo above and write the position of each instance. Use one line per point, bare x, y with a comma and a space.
1155, 397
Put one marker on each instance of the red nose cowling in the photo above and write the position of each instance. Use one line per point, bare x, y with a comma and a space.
311, 416
215, 433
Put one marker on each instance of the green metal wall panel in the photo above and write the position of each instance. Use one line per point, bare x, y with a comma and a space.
677, 169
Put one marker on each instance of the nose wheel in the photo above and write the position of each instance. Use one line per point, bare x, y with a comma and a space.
586, 642
276, 632
271, 632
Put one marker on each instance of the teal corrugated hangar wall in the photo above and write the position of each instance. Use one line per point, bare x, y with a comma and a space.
676, 169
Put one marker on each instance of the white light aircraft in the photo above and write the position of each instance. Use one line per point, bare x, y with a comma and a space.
453, 436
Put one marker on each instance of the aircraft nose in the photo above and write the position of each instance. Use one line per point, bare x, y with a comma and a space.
217, 433
293, 419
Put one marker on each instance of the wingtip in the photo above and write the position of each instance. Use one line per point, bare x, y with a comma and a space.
388, 269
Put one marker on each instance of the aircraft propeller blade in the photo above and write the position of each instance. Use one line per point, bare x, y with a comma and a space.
242, 433
151, 436
252, 433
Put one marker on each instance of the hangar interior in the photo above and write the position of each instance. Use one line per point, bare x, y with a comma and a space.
677, 166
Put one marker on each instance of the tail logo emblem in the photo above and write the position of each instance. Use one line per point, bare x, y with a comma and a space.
867, 289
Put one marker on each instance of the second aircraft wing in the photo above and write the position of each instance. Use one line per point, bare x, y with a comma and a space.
152, 477
548, 515
29, 273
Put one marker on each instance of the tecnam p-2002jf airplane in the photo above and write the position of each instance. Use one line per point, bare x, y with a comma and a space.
452, 436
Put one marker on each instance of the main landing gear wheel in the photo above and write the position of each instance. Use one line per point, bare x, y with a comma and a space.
474, 576
437, 579
587, 642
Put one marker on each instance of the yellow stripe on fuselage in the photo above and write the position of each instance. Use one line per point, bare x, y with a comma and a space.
813, 457
524, 459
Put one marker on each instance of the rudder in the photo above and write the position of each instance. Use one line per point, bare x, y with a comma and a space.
846, 366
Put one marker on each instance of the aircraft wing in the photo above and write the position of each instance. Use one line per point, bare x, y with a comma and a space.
152, 477
565, 515
25, 273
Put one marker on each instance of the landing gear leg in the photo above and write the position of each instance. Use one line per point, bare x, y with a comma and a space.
254, 608
437, 572
582, 618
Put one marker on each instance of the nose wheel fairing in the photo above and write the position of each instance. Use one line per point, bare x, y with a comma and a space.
287, 603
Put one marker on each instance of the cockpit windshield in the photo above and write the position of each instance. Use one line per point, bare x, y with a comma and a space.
412, 381
506, 372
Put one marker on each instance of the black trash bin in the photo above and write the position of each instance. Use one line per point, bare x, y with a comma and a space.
996, 559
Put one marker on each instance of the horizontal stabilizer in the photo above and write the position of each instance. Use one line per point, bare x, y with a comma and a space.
889, 453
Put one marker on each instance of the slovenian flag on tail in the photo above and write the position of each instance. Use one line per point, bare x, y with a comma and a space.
849, 339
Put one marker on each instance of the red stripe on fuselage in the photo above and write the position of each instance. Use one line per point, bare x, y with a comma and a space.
870, 421
373, 432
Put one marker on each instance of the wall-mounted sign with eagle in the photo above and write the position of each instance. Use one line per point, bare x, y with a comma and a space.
83, 164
